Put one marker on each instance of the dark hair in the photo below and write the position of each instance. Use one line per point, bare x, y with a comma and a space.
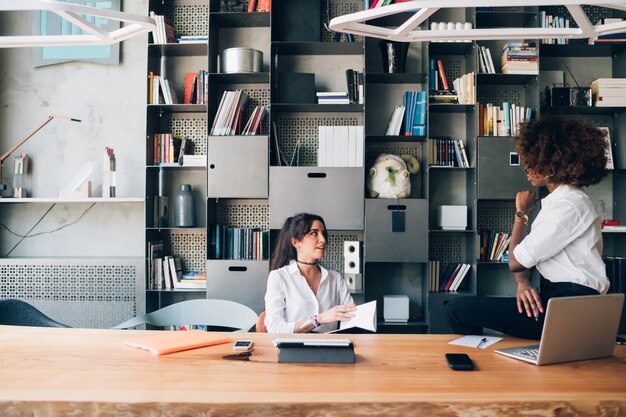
294, 227
566, 150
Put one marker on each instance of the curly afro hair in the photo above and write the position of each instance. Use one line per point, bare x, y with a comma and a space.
566, 150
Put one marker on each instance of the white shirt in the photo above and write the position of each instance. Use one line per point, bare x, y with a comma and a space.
566, 240
289, 299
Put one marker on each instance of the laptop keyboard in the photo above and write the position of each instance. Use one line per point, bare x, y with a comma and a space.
528, 353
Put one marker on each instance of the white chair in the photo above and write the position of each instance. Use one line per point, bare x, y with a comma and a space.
209, 312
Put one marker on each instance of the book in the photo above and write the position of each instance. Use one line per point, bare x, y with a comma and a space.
442, 74
608, 150
364, 318
169, 342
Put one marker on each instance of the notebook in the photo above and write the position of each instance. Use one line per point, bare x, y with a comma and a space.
575, 328
166, 342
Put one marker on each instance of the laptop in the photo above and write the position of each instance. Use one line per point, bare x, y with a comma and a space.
575, 329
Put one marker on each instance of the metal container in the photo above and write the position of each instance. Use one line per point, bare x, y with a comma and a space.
234, 60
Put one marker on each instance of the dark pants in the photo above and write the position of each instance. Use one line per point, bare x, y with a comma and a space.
469, 315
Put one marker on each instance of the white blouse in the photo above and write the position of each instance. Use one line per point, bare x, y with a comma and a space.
565, 242
289, 299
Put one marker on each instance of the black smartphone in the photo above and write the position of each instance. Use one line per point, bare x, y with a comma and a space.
459, 361
620, 340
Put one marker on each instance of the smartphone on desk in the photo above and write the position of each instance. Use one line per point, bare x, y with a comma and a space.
243, 345
459, 361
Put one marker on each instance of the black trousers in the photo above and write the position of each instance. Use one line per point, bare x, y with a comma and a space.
469, 315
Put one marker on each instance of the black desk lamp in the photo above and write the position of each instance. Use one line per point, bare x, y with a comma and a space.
28, 136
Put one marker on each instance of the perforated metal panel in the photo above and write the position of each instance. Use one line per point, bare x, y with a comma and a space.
92, 293
496, 215
339, 8
294, 127
454, 67
333, 257
594, 13
192, 125
190, 246
189, 18
499, 94
445, 247
241, 213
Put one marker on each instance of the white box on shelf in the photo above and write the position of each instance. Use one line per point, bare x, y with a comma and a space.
396, 308
354, 281
452, 217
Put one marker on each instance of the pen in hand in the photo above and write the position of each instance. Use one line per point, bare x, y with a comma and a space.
482, 342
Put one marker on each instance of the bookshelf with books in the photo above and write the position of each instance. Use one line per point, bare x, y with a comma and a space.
176, 148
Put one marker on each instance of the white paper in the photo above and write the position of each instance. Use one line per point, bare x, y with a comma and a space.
475, 341
364, 318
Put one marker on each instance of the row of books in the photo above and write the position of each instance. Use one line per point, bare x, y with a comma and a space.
437, 79
493, 246
169, 275
238, 243
160, 90
164, 32
414, 103
228, 119
450, 280
354, 86
609, 92
520, 58
447, 152
196, 87
504, 120
167, 148
340, 146
463, 89
616, 272
549, 21
485, 63
380, 3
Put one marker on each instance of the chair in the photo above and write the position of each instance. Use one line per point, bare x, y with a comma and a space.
209, 312
20, 313
260, 323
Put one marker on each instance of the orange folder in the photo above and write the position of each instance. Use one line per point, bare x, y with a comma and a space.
168, 341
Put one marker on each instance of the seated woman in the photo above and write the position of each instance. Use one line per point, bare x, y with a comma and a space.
303, 296
565, 243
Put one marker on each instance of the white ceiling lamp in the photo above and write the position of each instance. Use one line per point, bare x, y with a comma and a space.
410, 31
77, 15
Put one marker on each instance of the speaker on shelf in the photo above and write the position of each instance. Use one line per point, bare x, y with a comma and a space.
354, 281
352, 257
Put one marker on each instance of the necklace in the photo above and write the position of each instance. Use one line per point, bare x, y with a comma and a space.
306, 263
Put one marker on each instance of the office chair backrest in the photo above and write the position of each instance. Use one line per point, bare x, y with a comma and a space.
20, 313
209, 312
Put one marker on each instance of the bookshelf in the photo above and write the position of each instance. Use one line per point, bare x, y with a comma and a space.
263, 194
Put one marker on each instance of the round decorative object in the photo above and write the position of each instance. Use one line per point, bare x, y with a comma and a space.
184, 207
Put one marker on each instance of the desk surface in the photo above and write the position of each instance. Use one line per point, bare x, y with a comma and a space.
51, 371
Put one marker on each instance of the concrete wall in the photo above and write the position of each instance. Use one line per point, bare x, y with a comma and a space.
110, 100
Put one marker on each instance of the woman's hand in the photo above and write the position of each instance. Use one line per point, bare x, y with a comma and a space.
528, 300
525, 201
338, 313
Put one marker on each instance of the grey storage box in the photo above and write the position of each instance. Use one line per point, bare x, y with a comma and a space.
241, 281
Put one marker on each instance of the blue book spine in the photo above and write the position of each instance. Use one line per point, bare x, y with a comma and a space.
506, 110
431, 75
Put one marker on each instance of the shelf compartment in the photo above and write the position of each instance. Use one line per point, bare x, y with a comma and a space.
240, 78
239, 19
318, 48
450, 108
395, 78
317, 108
240, 281
404, 244
513, 79
504, 19
579, 50
449, 48
237, 167
336, 194
180, 49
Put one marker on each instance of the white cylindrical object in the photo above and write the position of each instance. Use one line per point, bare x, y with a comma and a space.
451, 26
443, 26
434, 26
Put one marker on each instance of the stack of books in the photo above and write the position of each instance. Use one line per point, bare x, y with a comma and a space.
332, 97
618, 38
520, 58
609, 92
228, 120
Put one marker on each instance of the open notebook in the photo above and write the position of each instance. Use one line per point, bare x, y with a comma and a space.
576, 328
166, 342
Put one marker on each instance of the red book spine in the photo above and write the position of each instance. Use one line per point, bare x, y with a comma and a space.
442, 73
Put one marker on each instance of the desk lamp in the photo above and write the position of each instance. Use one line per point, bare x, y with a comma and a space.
28, 136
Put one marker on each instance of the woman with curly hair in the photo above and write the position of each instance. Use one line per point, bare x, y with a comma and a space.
565, 243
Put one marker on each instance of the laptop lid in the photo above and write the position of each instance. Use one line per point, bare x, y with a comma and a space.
579, 328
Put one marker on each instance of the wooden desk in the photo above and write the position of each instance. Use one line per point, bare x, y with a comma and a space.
49, 371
